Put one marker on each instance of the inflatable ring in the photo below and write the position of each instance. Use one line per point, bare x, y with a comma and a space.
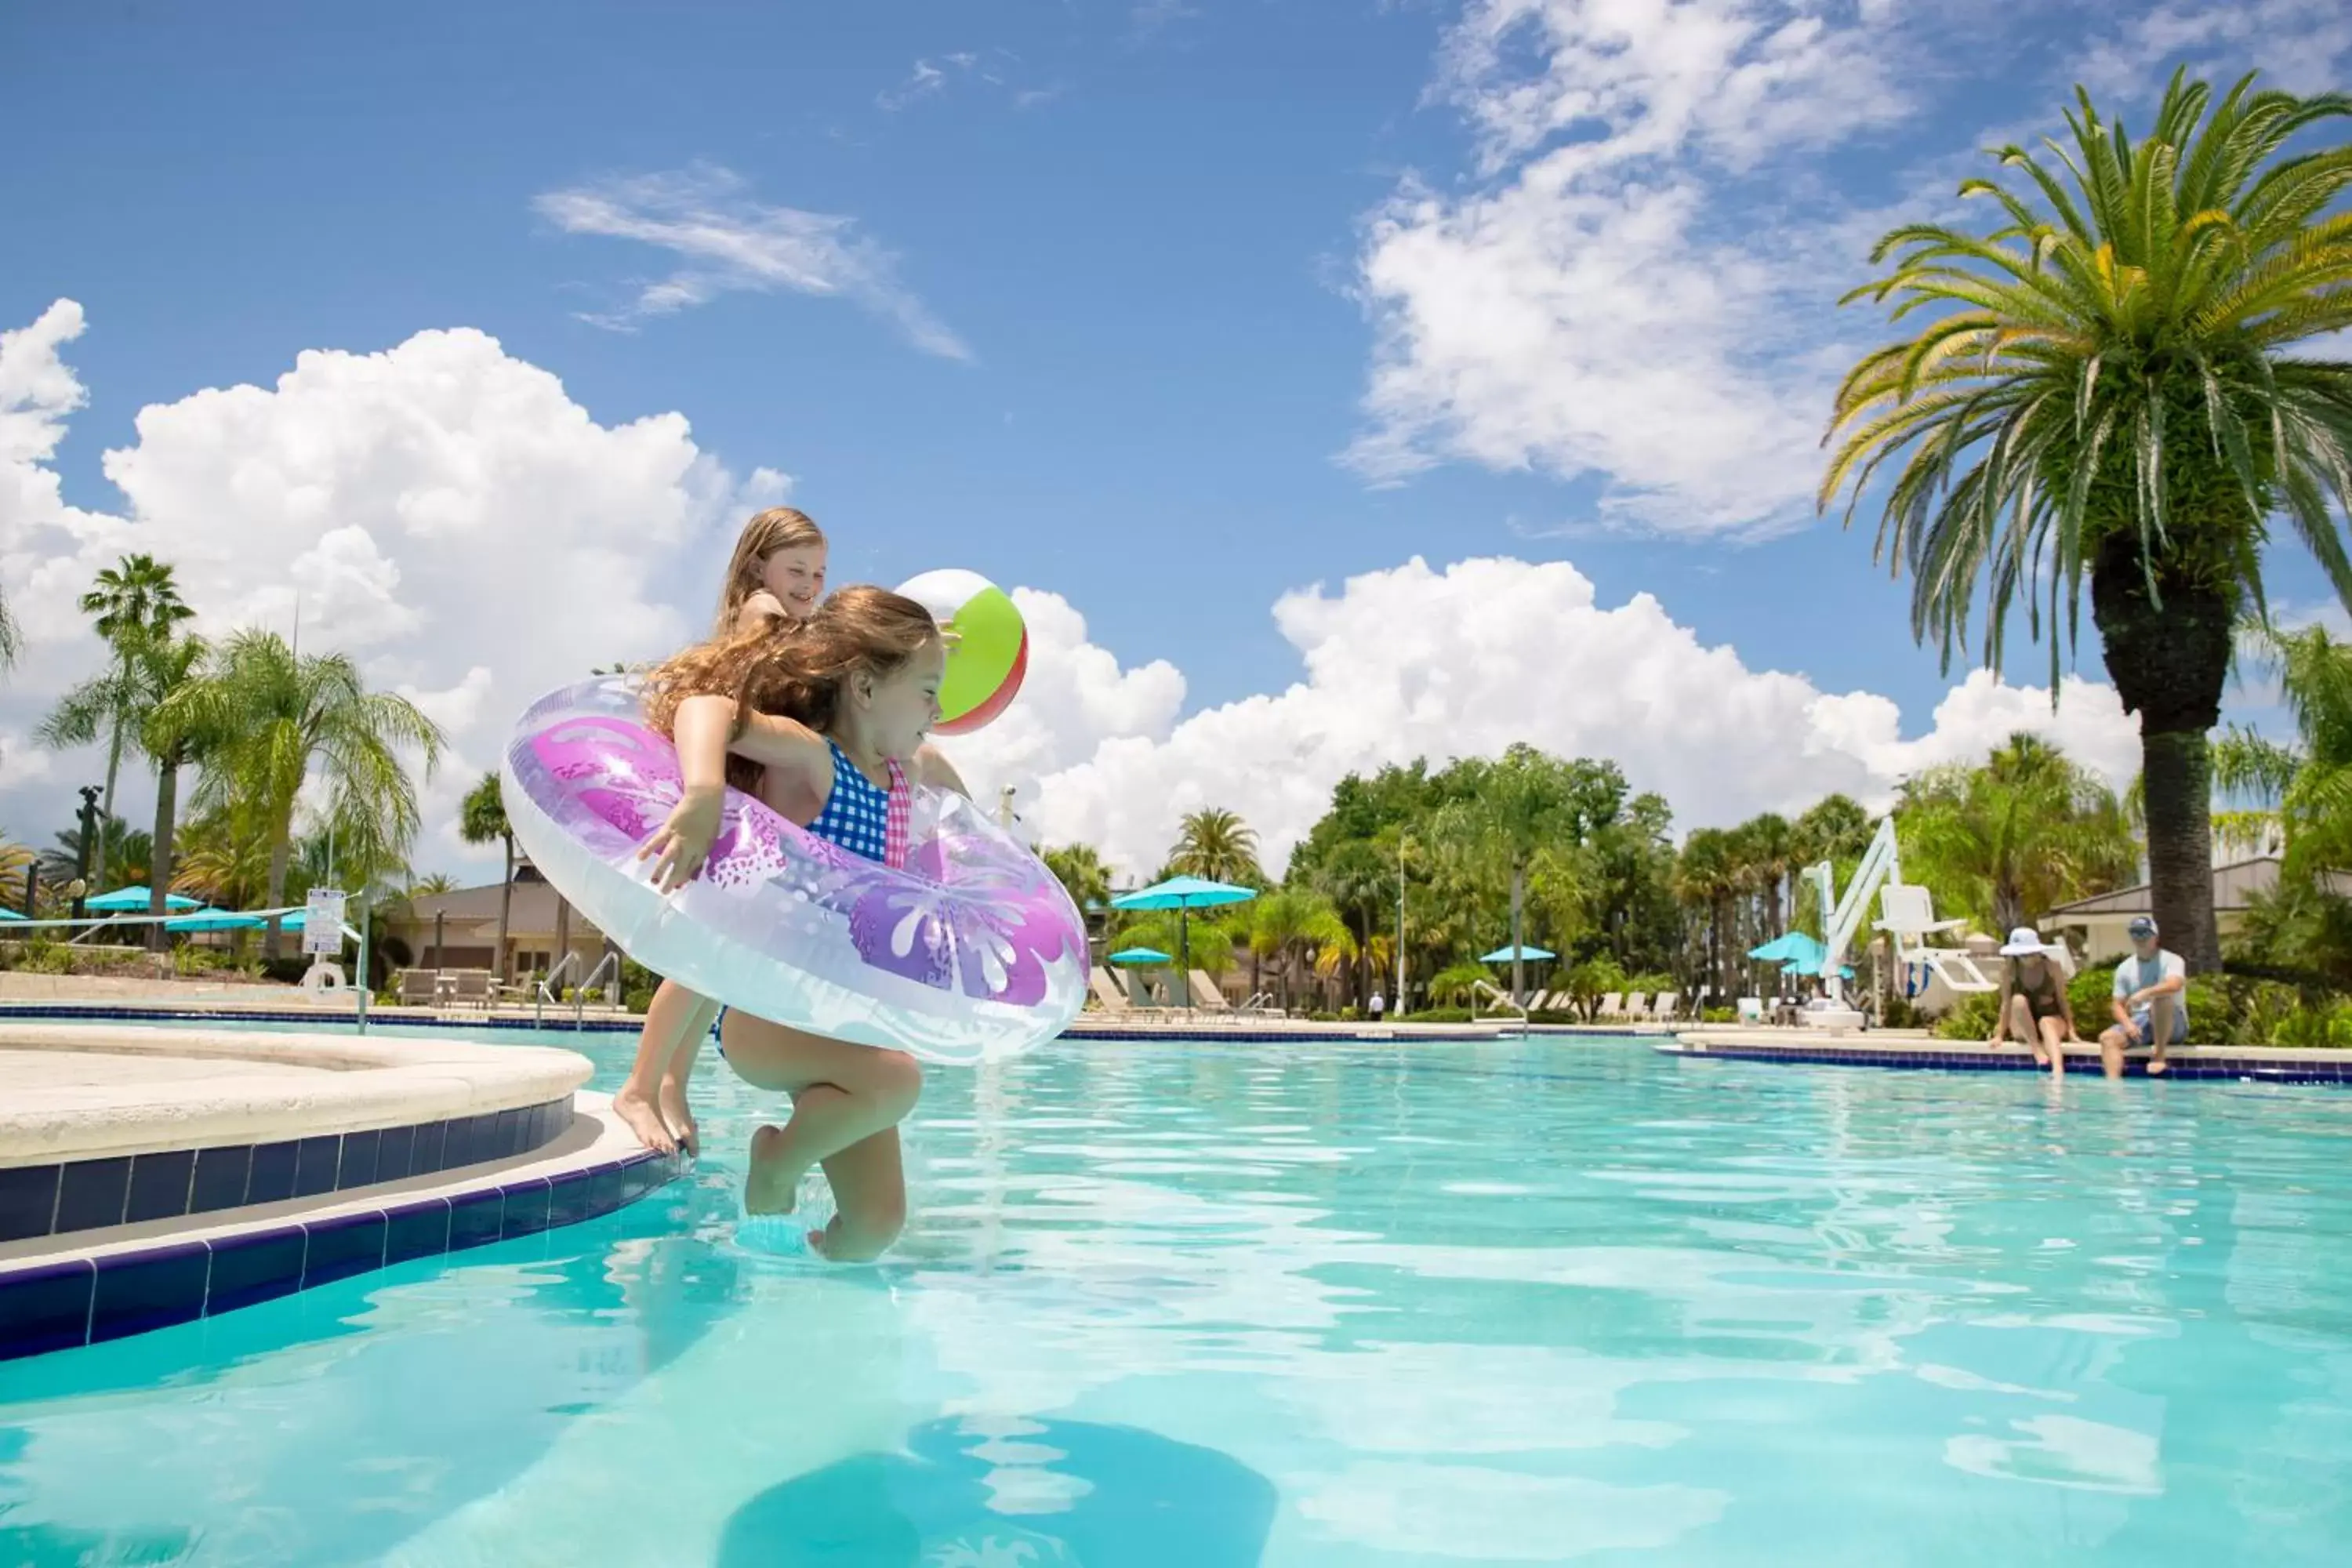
972, 951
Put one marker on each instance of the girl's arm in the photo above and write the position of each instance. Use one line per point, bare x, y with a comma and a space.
760, 606
703, 734
2001, 1015
931, 768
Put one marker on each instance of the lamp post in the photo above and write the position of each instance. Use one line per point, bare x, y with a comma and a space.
1401, 841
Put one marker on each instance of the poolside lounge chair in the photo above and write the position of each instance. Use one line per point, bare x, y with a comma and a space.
1751, 1009
1208, 995
1106, 990
1609, 1001
1637, 1007
1662, 1009
419, 987
472, 988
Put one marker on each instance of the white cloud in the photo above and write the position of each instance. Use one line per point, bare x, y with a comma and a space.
2299, 45
1588, 307
729, 242
443, 511
1462, 661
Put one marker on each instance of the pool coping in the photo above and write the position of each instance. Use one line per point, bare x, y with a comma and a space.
371, 1084
167, 1274
2267, 1064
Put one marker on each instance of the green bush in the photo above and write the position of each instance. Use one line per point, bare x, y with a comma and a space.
1439, 1016
1720, 1015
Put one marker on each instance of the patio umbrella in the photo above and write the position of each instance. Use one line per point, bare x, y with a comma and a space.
10, 915
1138, 956
1795, 948
1505, 954
134, 900
231, 919
1184, 894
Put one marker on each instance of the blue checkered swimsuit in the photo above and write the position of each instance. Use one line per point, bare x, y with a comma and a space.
856, 816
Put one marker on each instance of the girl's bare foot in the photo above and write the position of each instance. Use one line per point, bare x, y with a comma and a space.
679, 1119
772, 1186
645, 1120
2156, 1067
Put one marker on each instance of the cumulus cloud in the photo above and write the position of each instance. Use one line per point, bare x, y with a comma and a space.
729, 242
441, 510
1462, 661
1585, 308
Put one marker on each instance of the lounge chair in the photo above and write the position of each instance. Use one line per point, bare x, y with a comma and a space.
472, 988
1106, 990
1662, 1009
1637, 1007
1751, 1009
1208, 995
1610, 1004
419, 987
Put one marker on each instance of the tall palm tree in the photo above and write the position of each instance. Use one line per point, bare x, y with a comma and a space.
272, 715
483, 820
1361, 883
2027, 831
1707, 876
133, 603
1289, 922
223, 856
2104, 386
1520, 804
1218, 846
1083, 875
164, 664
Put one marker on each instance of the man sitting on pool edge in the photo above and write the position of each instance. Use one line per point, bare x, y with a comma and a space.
2151, 1002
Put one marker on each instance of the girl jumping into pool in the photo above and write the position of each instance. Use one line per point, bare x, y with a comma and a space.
832, 709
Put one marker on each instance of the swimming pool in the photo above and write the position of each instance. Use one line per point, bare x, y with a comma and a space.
1318, 1303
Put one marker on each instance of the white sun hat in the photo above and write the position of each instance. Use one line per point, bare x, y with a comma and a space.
2023, 940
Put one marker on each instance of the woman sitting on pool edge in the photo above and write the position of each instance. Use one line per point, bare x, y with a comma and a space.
2034, 1007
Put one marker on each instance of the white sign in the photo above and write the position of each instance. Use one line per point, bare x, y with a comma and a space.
322, 921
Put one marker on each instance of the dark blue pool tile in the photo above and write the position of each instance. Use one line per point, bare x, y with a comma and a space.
45, 1309
607, 1186
314, 1166
28, 1201
358, 1166
392, 1151
528, 1205
272, 1177
474, 1220
343, 1246
151, 1289
93, 1192
425, 1157
546, 1123
507, 1141
220, 1178
467, 1140
417, 1230
160, 1185
261, 1266
568, 1203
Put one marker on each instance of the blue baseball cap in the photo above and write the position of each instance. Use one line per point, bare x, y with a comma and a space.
2141, 928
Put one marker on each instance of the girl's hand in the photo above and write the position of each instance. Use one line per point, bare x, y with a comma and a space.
682, 843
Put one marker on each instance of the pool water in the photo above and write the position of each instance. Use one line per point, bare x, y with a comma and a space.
1208, 1303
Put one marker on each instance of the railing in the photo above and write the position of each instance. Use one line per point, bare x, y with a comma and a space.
611, 962
1502, 999
540, 1002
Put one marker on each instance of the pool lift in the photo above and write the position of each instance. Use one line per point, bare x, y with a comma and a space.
1908, 919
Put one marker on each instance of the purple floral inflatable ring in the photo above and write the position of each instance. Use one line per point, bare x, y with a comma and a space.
972, 951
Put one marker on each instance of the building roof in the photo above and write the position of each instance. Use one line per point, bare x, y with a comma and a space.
533, 914
2235, 887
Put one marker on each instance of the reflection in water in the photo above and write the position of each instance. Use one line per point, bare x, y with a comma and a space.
1045, 1495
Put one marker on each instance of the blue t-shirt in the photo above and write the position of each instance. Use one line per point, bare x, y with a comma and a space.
2132, 974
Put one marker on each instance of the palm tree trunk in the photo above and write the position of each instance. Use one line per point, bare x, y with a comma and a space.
2169, 663
105, 812
506, 913
159, 875
1518, 962
563, 932
281, 849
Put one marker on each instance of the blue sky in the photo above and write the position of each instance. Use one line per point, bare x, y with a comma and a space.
1166, 310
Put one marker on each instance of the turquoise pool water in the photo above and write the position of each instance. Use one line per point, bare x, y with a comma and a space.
1198, 1304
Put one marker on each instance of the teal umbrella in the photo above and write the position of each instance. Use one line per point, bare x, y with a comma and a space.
1138, 956
1505, 954
230, 920
1183, 894
10, 915
1794, 947
134, 900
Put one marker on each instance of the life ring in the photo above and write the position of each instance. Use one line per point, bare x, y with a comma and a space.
974, 951
322, 977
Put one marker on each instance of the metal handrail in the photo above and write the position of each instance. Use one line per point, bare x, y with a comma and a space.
611, 961
538, 1004
1502, 998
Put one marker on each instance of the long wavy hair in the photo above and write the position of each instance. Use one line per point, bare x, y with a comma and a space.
796, 669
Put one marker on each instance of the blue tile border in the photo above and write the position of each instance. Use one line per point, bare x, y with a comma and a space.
83, 1195
2203, 1069
57, 1306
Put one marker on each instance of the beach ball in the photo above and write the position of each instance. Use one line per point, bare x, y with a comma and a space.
989, 652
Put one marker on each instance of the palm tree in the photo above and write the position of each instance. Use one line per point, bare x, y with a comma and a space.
132, 603
271, 715
164, 664
1361, 883
225, 858
1218, 846
1518, 806
481, 820
432, 887
2024, 833
2302, 787
1287, 923
1707, 876
2107, 388
1082, 874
